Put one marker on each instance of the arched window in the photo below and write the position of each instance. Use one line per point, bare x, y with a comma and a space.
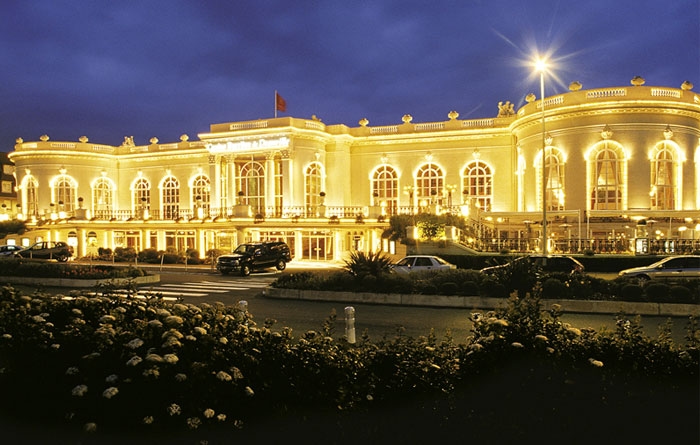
141, 195
170, 194
430, 183
607, 173
64, 193
201, 193
253, 186
477, 184
29, 197
664, 176
385, 188
554, 178
313, 186
102, 198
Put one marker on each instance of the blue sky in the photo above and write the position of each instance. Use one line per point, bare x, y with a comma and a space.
109, 69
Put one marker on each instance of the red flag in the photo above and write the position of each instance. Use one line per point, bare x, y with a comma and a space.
280, 104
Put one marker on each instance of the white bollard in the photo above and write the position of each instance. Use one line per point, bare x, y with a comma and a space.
350, 324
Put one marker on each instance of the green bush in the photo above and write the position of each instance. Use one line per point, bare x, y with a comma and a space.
657, 291
448, 288
554, 288
124, 254
469, 288
631, 292
150, 256
681, 294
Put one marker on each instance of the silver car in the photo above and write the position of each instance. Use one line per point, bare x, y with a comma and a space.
670, 268
416, 263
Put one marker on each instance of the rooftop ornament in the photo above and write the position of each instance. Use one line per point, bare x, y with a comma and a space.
637, 81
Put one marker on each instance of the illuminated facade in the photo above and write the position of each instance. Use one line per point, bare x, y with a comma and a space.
620, 164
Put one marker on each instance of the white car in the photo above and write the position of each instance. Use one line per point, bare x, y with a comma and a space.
10, 250
670, 268
416, 263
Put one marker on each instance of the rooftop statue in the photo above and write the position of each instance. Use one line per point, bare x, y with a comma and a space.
506, 109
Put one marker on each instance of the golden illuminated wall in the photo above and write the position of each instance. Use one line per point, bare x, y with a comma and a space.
638, 119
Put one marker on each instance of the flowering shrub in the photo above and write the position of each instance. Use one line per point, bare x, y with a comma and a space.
167, 371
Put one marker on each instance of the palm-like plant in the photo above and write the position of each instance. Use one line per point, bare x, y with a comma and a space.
360, 264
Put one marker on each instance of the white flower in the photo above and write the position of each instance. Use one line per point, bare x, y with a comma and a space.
154, 358
209, 413
541, 337
193, 422
73, 370
7, 336
249, 391
55, 346
133, 361
174, 409
575, 331
516, 344
223, 340
596, 363
38, 319
180, 377
79, 390
200, 330
112, 378
174, 320
107, 319
147, 420
221, 417
155, 324
135, 343
77, 312
110, 392
170, 358
90, 427
223, 376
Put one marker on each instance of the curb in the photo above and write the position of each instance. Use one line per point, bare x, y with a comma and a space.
463, 302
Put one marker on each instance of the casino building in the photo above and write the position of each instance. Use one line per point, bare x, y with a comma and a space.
616, 169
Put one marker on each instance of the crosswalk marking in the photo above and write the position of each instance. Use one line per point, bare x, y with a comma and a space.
194, 289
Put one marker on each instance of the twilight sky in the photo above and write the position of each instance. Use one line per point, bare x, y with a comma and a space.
144, 68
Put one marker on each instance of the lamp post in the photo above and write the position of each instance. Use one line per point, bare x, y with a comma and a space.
541, 66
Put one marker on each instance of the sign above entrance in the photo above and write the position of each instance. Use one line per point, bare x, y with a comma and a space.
255, 144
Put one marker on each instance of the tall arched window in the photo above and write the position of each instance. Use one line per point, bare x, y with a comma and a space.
385, 188
607, 176
64, 193
170, 195
30, 203
201, 193
141, 195
664, 176
313, 185
477, 184
102, 198
554, 178
253, 186
430, 183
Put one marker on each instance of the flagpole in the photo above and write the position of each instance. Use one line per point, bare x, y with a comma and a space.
275, 104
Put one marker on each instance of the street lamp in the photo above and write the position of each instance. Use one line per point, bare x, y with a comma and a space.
541, 66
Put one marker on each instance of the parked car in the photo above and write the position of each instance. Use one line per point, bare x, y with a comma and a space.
548, 263
10, 250
254, 256
48, 250
670, 268
416, 263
